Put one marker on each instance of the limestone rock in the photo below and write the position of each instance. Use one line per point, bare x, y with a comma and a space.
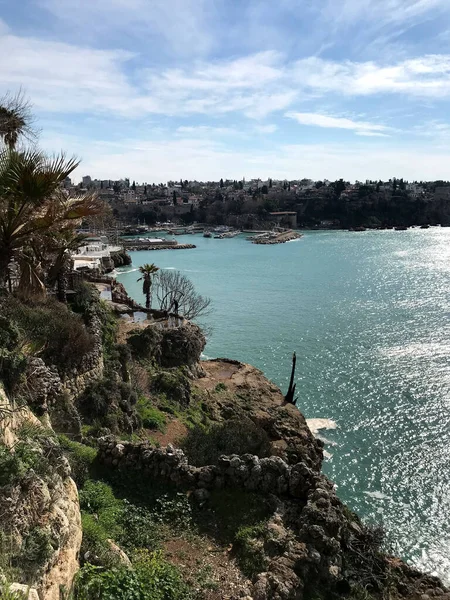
27, 592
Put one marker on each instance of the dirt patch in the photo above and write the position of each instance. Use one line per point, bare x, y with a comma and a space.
208, 567
237, 377
175, 432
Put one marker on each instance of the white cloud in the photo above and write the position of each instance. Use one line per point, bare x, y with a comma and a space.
327, 121
427, 76
208, 159
371, 134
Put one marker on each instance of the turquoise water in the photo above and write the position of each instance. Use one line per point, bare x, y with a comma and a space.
369, 317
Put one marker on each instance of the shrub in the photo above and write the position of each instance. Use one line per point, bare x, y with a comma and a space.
151, 417
145, 343
7, 594
52, 331
249, 547
108, 324
16, 462
12, 369
205, 446
110, 403
37, 547
176, 510
101, 516
139, 529
85, 296
220, 387
96, 583
96, 496
9, 333
174, 384
80, 456
152, 578
159, 579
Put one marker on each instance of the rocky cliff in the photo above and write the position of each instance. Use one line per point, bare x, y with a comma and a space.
40, 513
197, 481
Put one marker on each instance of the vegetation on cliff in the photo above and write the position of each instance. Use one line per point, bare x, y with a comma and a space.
195, 480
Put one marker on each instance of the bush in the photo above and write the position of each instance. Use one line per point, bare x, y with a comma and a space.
101, 516
109, 403
152, 578
15, 463
174, 384
37, 547
80, 457
96, 583
151, 417
52, 331
9, 333
249, 547
12, 369
205, 446
139, 529
175, 510
159, 579
145, 343
7, 594
96, 496
85, 296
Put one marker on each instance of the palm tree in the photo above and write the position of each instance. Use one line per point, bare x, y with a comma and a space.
34, 212
147, 271
16, 119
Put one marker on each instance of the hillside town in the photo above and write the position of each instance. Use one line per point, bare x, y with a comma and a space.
258, 204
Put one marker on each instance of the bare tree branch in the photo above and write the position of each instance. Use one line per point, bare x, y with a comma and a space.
174, 291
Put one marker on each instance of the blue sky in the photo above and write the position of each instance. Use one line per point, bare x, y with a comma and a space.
162, 89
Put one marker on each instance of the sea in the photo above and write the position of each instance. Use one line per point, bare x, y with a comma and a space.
368, 314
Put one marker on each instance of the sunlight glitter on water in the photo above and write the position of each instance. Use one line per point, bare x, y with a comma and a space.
369, 317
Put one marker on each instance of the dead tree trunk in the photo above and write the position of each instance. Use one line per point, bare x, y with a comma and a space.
289, 398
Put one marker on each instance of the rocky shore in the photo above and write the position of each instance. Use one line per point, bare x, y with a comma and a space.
160, 247
214, 439
281, 238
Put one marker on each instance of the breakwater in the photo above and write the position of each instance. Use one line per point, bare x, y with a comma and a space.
161, 247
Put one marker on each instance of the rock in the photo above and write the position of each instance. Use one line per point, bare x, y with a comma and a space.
119, 554
27, 592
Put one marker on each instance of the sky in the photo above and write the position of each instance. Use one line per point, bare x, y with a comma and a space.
202, 89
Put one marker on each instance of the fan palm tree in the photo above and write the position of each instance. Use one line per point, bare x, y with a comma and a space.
16, 119
147, 271
34, 211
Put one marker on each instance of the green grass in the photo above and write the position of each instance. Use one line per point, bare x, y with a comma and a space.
151, 417
81, 458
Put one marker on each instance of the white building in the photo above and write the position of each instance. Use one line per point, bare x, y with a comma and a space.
91, 253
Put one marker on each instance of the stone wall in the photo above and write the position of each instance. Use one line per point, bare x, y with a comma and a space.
265, 475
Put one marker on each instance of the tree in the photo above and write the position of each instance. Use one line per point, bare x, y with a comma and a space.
134, 186
147, 271
174, 197
221, 183
264, 189
34, 209
16, 119
173, 289
270, 183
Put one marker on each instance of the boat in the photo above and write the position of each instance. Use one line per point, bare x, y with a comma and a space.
207, 234
401, 228
424, 227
